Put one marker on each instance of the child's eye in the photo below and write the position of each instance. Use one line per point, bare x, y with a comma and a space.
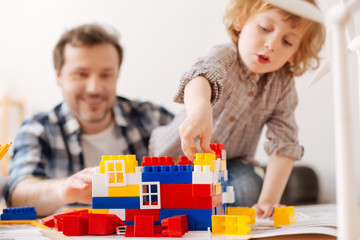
286, 42
265, 29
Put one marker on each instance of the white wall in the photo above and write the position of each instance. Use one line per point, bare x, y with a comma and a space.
161, 39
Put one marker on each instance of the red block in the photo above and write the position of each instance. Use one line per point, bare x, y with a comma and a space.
203, 190
217, 148
144, 226
131, 213
157, 161
104, 224
182, 189
177, 202
183, 160
75, 225
174, 226
206, 202
58, 217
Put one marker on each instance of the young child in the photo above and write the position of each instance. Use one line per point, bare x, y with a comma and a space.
232, 93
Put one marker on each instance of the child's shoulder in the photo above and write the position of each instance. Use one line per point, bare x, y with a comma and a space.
223, 52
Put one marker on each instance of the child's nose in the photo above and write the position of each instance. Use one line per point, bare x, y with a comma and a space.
271, 42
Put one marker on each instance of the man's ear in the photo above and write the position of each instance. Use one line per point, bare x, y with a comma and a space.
58, 77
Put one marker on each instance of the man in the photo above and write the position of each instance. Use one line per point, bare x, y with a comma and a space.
55, 152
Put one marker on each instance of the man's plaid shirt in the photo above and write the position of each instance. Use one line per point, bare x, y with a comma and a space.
40, 149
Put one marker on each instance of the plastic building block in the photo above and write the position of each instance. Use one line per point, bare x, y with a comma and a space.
49, 221
143, 227
250, 212
174, 226
168, 174
4, 149
202, 176
129, 162
19, 213
150, 195
58, 218
205, 159
104, 224
131, 213
157, 161
219, 150
121, 213
284, 216
230, 225
75, 225
203, 190
181, 189
198, 219
183, 160
229, 195
124, 191
115, 202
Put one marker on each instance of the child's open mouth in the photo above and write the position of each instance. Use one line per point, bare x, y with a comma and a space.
263, 59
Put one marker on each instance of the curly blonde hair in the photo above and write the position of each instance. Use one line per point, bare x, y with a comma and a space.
312, 41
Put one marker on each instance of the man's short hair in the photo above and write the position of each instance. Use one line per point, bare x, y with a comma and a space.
88, 35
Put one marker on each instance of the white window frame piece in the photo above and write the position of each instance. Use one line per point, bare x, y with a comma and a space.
122, 162
142, 194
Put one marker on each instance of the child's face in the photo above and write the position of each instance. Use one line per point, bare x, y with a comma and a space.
267, 42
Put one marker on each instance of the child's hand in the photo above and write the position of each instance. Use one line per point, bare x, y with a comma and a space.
198, 124
265, 209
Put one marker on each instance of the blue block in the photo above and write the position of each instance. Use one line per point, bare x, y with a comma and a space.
198, 219
19, 213
168, 174
133, 223
115, 202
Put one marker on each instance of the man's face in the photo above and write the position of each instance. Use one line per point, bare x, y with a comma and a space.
88, 81
267, 42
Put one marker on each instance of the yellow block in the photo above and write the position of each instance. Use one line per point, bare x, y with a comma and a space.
284, 216
129, 162
218, 188
230, 225
223, 166
104, 211
125, 191
205, 159
250, 212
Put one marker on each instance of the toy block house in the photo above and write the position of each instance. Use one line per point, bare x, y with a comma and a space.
161, 190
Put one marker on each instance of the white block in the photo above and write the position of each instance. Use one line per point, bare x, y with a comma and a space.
133, 178
100, 190
203, 177
118, 212
99, 178
229, 195
226, 176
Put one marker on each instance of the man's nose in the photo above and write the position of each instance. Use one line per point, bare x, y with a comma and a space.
93, 84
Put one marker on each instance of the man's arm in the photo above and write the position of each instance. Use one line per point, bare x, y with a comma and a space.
48, 195
277, 175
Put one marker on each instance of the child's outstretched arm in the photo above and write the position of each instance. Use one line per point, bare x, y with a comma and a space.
199, 120
277, 174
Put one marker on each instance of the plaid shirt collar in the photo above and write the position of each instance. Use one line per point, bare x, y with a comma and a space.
72, 125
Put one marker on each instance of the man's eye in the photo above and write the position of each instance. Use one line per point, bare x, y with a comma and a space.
105, 75
81, 74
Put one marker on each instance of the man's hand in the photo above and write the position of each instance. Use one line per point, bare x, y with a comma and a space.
77, 188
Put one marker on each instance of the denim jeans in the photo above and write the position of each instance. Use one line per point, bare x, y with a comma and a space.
247, 184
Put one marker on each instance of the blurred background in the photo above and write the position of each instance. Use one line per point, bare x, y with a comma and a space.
162, 39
